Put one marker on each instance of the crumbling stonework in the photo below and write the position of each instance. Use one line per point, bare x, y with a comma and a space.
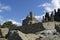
4, 31
30, 19
31, 29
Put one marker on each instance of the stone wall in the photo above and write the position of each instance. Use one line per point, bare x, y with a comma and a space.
57, 23
4, 31
15, 34
49, 25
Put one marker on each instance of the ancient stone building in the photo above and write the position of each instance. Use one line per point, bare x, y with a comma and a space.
30, 19
31, 25
54, 16
50, 21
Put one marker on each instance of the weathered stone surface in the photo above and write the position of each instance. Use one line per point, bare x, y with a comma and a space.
52, 37
30, 19
49, 25
17, 35
3, 39
34, 36
31, 29
4, 31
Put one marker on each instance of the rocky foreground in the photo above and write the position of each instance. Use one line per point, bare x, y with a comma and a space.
42, 35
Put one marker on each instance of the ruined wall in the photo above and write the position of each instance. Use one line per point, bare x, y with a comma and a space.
4, 31
49, 25
57, 23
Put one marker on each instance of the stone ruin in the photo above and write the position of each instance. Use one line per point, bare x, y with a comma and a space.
31, 29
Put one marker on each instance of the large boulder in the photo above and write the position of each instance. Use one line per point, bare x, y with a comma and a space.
16, 35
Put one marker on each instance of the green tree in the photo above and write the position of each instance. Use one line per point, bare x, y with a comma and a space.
6, 24
0, 25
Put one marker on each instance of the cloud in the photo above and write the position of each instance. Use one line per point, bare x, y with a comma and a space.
39, 18
54, 4
15, 22
49, 7
4, 7
7, 8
